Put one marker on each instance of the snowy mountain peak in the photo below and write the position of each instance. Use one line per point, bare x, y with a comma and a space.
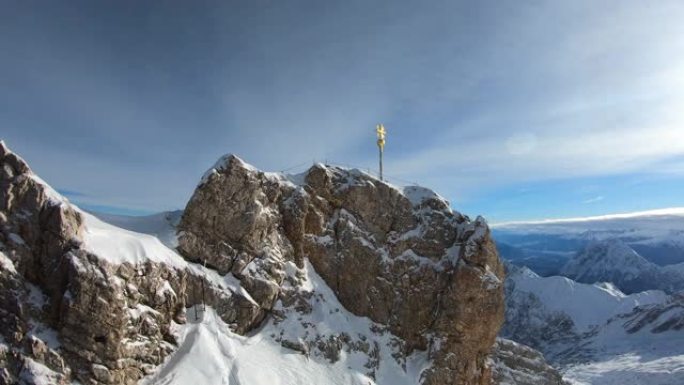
607, 261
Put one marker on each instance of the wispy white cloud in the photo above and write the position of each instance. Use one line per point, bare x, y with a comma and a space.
594, 199
474, 95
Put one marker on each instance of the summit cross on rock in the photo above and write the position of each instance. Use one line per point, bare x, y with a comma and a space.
380, 131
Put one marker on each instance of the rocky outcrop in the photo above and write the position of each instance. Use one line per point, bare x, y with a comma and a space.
108, 320
517, 364
402, 258
37, 233
428, 276
233, 224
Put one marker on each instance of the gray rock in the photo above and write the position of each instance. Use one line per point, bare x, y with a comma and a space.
517, 364
415, 266
430, 275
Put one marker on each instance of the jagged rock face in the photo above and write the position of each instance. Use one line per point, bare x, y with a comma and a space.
111, 320
233, 224
36, 233
404, 259
517, 364
427, 274
39, 230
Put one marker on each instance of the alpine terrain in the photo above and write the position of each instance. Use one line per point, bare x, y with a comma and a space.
595, 333
327, 277
601, 297
546, 246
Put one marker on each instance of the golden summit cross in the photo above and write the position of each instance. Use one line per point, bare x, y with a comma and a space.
380, 131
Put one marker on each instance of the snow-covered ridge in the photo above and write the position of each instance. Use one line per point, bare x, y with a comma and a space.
588, 305
136, 241
117, 245
596, 333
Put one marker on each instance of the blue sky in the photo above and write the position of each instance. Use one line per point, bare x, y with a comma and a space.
514, 110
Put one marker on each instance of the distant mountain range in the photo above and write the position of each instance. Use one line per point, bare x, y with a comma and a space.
546, 246
601, 297
595, 333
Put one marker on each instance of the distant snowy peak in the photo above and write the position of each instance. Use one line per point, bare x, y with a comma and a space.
587, 305
607, 261
614, 261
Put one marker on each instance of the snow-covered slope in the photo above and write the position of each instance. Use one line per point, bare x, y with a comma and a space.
644, 346
118, 245
587, 305
598, 334
161, 225
209, 352
277, 353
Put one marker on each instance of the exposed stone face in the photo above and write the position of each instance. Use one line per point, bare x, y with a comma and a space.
518, 364
36, 233
112, 319
430, 274
233, 223
404, 259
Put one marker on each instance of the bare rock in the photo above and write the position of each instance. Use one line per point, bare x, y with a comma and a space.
402, 258
112, 320
518, 364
